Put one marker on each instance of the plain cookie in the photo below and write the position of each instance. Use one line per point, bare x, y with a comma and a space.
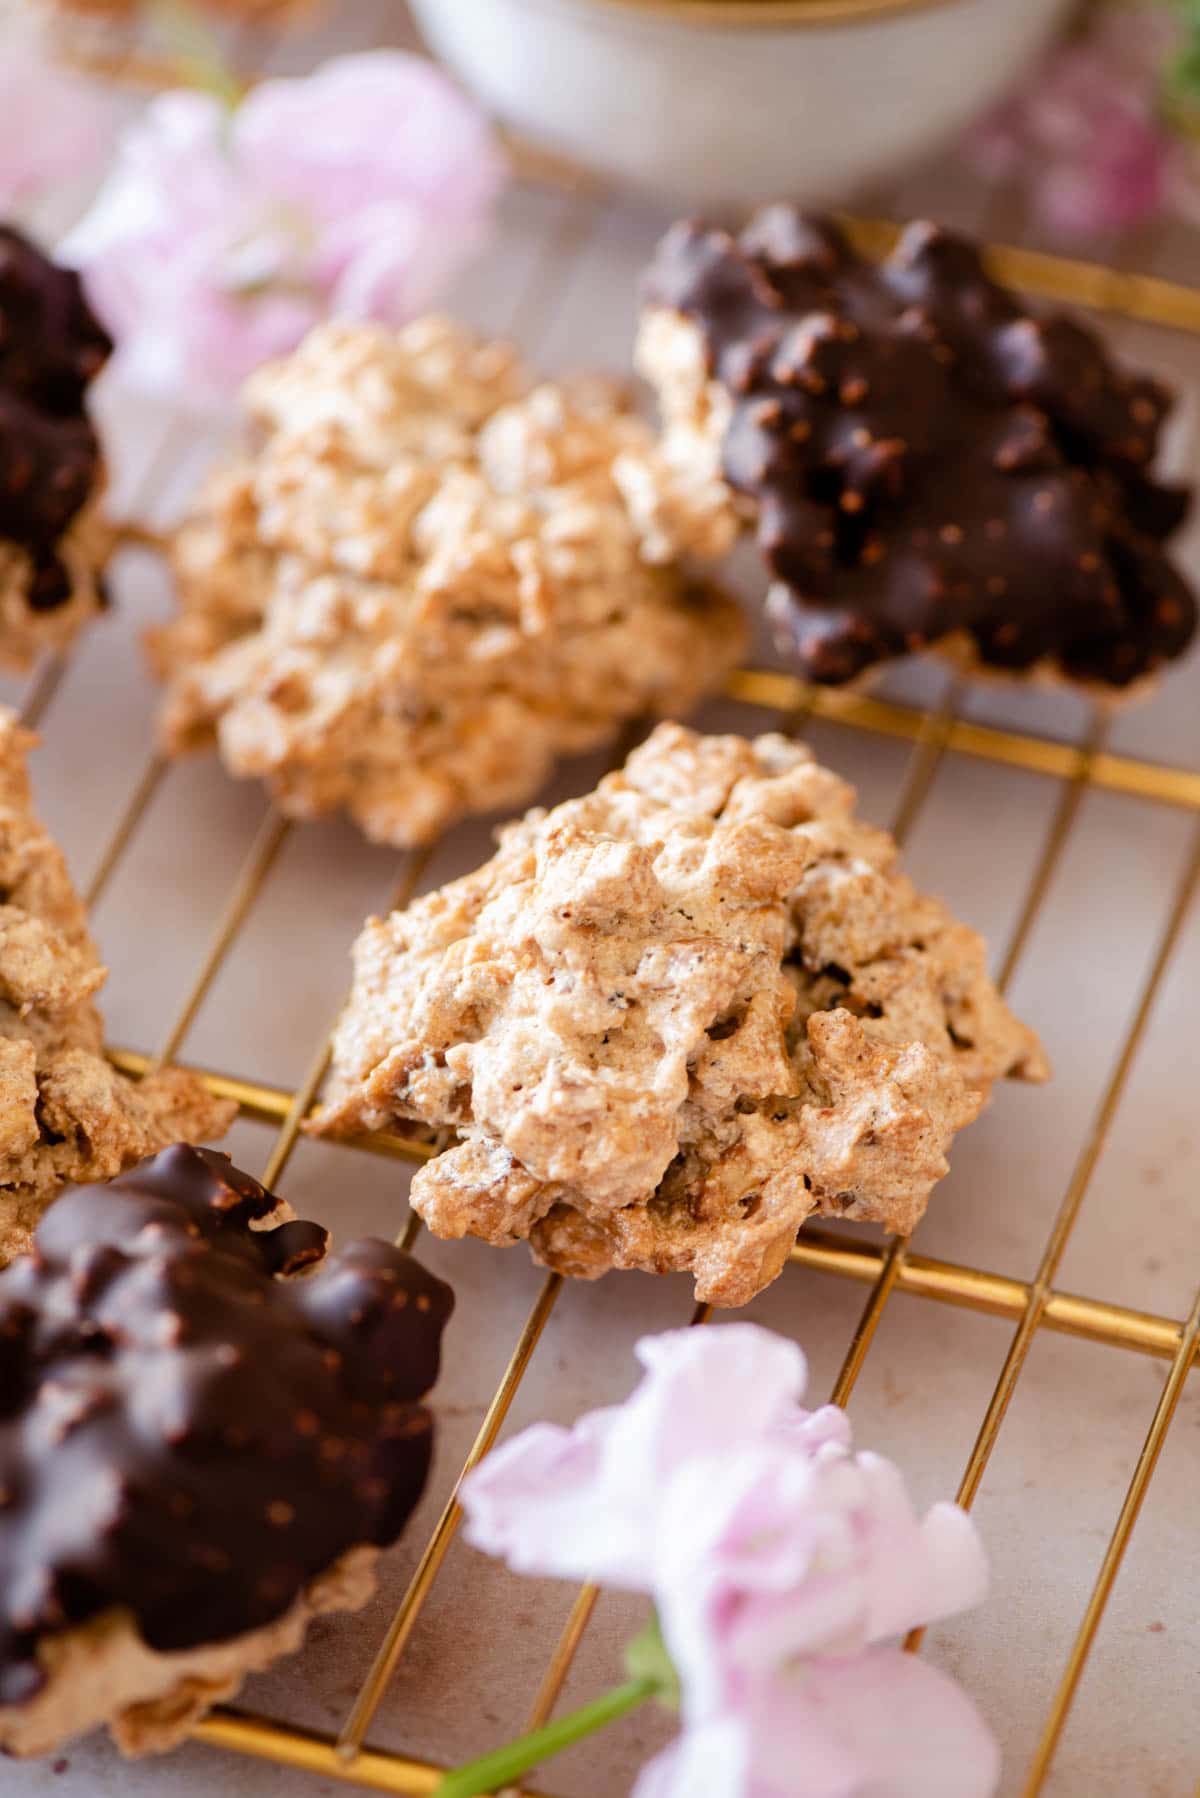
670, 1019
424, 585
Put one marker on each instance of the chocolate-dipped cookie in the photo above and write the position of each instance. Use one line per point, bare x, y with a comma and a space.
922, 460
421, 585
199, 1451
53, 542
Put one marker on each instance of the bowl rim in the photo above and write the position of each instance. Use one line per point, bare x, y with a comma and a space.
733, 15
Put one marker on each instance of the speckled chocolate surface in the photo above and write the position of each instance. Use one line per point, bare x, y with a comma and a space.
182, 1432
51, 346
922, 456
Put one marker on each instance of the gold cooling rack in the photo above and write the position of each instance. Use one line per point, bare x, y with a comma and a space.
1032, 1305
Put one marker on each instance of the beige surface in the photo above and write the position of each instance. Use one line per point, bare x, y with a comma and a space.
65, 1114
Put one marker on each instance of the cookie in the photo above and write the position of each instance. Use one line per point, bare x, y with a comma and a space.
199, 1451
671, 1019
65, 1113
53, 539
921, 459
423, 586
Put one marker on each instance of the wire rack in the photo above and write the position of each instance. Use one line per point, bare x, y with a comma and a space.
1032, 1306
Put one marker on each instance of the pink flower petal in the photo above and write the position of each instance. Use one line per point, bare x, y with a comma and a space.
376, 125
710, 1390
53, 126
777, 1559
543, 1502
713, 1758
1085, 132
216, 242
915, 1572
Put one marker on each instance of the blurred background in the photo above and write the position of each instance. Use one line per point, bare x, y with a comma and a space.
1082, 114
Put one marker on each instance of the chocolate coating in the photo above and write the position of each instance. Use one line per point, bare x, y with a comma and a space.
924, 456
182, 1432
50, 348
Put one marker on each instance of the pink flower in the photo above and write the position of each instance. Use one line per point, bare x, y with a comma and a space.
883, 1724
220, 238
1085, 133
53, 126
782, 1565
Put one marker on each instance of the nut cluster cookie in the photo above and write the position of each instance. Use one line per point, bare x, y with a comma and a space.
197, 1453
65, 1113
53, 540
670, 1019
424, 585
922, 460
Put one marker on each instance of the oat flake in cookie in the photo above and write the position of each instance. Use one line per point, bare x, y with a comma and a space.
66, 1114
198, 1452
670, 1019
53, 540
922, 460
423, 585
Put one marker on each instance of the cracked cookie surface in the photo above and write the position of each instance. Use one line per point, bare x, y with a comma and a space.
670, 1019
66, 1114
425, 585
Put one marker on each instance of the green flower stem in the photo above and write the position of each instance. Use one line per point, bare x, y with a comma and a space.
491, 1772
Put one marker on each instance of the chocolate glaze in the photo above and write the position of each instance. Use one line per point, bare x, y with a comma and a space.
182, 1432
50, 349
924, 456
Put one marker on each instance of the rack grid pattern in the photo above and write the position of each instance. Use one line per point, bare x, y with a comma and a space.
1030, 1305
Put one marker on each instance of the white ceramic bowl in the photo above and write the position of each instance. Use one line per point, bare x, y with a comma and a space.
733, 100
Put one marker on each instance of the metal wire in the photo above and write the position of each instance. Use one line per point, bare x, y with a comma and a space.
269, 839
43, 685
1068, 1214
1164, 1411
771, 688
353, 1732
823, 1251
1080, 1180
892, 1264
932, 744
308, 1751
